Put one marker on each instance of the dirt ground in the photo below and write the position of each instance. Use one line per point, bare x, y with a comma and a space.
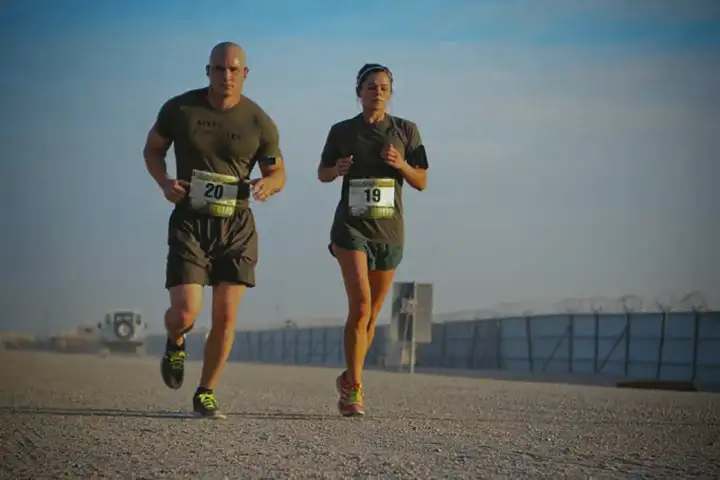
84, 416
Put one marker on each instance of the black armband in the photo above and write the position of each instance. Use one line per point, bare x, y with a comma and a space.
267, 160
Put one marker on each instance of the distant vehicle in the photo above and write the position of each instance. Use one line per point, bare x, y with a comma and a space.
124, 331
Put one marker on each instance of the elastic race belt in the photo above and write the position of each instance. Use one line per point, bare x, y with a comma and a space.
213, 194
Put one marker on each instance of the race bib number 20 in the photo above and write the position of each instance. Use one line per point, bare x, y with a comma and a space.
213, 193
372, 197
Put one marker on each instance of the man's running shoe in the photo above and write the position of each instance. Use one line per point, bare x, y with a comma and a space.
350, 403
206, 405
172, 365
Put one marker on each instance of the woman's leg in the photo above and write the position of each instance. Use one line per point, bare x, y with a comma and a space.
367, 277
386, 259
380, 283
354, 269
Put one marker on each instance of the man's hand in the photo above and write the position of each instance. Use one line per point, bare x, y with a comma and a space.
393, 158
262, 188
343, 165
175, 190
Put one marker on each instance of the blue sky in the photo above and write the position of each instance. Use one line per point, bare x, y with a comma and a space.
573, 147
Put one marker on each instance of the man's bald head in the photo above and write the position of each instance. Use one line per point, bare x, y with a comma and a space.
227, 69
225, 50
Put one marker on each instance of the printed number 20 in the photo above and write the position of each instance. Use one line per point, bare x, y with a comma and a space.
214, 190
372, 195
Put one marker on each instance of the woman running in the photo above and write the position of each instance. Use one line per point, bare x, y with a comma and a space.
375, 153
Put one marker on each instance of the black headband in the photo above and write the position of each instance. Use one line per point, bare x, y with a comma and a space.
372, 69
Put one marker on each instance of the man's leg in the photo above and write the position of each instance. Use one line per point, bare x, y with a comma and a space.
232, 272
225, 302
185, 303
185, 276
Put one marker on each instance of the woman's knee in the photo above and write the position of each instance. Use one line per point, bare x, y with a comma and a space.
360, 311
353, 264
372, 321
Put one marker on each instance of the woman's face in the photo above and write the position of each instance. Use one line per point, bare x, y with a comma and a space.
375, 91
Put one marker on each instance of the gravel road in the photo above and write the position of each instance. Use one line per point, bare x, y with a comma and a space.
81, 416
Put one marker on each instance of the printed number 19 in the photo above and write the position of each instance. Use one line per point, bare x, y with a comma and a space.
372, 195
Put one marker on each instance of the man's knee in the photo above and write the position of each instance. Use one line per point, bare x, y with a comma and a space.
185, 303
183, 315
223, 319
226, 299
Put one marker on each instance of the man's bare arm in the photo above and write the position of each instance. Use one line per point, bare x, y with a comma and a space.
328, 169
155, 151
274, 174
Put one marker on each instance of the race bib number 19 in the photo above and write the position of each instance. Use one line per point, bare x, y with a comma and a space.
372, 197
214, 194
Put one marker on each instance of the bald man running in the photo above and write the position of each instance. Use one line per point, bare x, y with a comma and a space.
219, 135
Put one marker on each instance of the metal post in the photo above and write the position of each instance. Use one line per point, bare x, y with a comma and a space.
405, 341
310, 346
571, 337
528, 336
623, 335
498, 345
297, 346
324, 342
443, 345
412, 353
628, 315
284, 340
630, 303
555, 350
658, 365
597, 342
249, 355
696, 341
413, 310
259, 341
473, 346
696, 302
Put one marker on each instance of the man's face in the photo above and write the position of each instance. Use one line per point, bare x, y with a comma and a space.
375, 91
227, 72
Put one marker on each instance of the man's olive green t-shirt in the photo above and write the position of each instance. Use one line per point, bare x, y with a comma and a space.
365, 142
229, 142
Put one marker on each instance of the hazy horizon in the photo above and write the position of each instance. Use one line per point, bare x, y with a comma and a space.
573, 149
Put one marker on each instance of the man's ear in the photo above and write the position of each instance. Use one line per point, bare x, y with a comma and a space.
246, 70
207, 70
